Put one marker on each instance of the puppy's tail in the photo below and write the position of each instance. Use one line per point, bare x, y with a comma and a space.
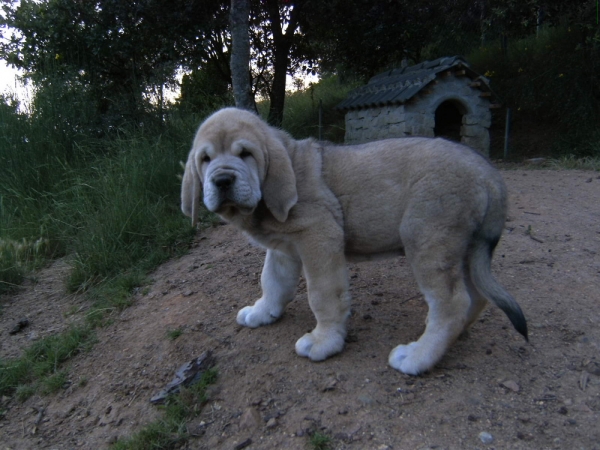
481, 275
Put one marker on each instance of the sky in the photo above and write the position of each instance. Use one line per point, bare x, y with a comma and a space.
10, 85
7, 74
7, 77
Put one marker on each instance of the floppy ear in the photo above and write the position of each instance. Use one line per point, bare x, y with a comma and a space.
279, 187
190, 189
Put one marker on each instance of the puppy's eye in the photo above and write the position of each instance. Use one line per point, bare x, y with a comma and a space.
206, 159
245, 154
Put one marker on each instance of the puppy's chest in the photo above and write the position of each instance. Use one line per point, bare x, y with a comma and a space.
263, 229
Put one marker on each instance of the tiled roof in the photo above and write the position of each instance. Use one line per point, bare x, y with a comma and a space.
396, 86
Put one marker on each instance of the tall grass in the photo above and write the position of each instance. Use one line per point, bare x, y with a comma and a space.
108, 202
125, 209
111, 203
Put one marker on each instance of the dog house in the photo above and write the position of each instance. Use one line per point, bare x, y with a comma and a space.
443, 97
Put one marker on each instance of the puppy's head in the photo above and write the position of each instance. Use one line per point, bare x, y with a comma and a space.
237, 160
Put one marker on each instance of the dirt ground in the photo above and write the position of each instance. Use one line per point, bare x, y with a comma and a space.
544, 394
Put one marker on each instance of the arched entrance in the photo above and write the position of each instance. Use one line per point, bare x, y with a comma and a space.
448, 120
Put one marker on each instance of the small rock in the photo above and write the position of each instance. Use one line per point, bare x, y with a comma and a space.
366, 399
512, 385
524, 436
212, 391
330, 384
250, 419
486, 437
592, 367
563, 410
536, 161
23, 323
342, 437
243, 444
582, 408
188, 293
33, 336
272, 423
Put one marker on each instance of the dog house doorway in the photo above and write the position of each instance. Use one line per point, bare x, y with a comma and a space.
449, 119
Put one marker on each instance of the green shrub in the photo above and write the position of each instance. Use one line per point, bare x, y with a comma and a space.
301, 114
551, 81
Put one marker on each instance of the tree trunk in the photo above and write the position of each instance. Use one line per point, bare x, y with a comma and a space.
283, 44
277, 94
240, 55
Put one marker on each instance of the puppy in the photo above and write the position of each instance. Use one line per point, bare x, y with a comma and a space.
314, 206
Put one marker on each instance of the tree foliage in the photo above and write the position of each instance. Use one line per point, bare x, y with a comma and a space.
122, 52
119, 55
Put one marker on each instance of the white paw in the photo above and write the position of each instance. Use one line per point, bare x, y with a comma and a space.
410, 360
320, 346
257, 315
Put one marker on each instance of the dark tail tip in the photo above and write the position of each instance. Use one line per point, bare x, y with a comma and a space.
518, 320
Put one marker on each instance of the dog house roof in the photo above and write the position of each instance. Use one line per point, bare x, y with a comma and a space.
396, 86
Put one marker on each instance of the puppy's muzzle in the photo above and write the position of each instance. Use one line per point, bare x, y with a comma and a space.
224, 181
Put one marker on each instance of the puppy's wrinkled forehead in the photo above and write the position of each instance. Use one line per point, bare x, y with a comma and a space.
225, 127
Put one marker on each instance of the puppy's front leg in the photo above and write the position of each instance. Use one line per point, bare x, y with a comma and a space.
279, 280
327, 282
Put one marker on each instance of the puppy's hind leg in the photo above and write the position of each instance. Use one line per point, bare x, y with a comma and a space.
437, 263
279, 280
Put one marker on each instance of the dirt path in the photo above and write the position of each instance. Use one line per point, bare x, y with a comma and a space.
545, 394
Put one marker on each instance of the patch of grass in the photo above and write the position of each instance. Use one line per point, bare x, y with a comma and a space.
112, 296
572, 162
170, 431
17, 258
24, 391
40, 366
83, 381
174, 334
320, 441
54, 382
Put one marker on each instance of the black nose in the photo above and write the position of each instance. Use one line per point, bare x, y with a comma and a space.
224, 181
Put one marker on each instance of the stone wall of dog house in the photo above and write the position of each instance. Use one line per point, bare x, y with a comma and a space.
417, 117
